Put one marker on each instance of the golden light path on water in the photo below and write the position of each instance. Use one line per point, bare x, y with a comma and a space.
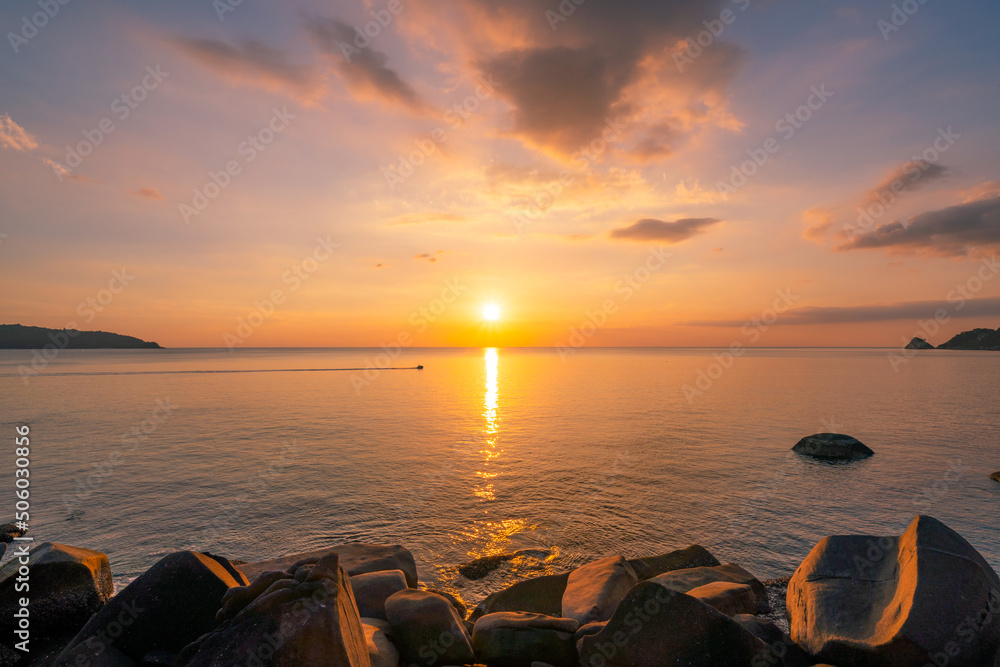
494, 535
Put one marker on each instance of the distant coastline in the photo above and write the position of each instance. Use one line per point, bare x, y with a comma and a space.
20, 337
974, 339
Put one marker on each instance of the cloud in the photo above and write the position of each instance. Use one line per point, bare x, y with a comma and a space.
608, 61
649, 229
956, 231
428, 256
818, 220
15, 137
904, 310
61, 171
253, 63
364, 70
150, 193
905, 177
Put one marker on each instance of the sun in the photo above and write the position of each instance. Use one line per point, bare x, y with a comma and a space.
491, 312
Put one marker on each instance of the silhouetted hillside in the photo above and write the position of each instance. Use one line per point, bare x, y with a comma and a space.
977, 339
18, 337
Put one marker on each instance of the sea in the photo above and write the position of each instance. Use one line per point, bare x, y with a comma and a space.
560, 457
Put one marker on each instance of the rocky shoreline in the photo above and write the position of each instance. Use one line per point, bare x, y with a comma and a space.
926, 597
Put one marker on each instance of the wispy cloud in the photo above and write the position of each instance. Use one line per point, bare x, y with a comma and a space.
650, 229
15, 137
904, 310
150, 193
955, 231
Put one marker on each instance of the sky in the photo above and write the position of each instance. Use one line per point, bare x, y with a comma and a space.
231, 173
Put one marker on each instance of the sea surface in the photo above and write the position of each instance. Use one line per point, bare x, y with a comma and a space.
492, 451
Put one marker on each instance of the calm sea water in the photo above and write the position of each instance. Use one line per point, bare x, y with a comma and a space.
498, 450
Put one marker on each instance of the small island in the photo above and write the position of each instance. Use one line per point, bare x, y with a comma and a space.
19, 337
976, 339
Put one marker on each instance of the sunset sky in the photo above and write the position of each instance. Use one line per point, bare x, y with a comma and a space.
590, 161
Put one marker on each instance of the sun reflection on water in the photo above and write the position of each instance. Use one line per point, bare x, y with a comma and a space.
484, 490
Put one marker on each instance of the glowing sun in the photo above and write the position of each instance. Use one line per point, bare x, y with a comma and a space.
491, 312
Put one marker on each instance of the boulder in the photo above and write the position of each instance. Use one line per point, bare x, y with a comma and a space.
307, 617
781, 649
727, 597
683, 581
381, 651
594, 590
513, 639
427, 629
481, 567
67, 585
925, 597
832, 447
692, 556
167, 607
655, 626
919, 344
455, 601
8, 531
995, 476
371, 590
541, 595
354, 558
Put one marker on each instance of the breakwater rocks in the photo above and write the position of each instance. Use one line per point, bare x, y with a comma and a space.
925, 597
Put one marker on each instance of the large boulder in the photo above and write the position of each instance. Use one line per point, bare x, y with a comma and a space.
832, 447
307, 617
594, 590
513, 639
372, 589
541, 595
381, 651
782, 650
67, 585
684, 581
427, 629
692, 556
167, 607
924, 597
354, 558
729, 598
655, 626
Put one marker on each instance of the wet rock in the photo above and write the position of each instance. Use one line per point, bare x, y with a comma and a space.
308, 617
167, 607
692, 556
727, 597
8, 531
541, 595
594, 590
832, 447
427, 629
655, 626
925, 597
67, 585
683, 581
513, 639
995, 476
455, 601
481, 567
371, 590
354, 558
781, 649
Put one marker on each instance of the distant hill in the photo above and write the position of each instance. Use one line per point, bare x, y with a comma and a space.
18, 337
977, 339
